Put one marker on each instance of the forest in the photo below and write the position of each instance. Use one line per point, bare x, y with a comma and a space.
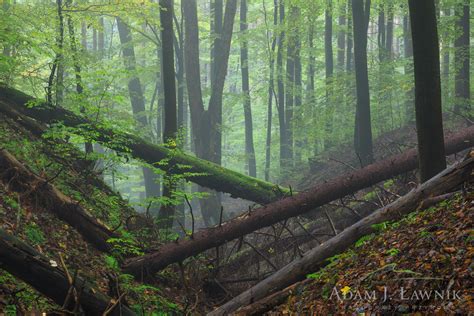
236, 157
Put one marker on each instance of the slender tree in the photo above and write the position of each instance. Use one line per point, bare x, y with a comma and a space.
429, 121
77, 66
137, 100
166, 214
462, 60
341, 38
363, 129
271, 88
284, 150
244, 60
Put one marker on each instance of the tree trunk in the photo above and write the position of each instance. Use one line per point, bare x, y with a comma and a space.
137, 100
271, 93
315, 259
429, 119
167, 211
408, 54
349, 37
35, 269
249, 147
341, 41
329, 63
363, 129
285, 208
207, 124
297, 113
281, 92
462, 60
77, 67
202, 172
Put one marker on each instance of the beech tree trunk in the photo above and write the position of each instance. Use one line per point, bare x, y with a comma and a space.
18, 178
288, 207
35, 269
167, 211
244, 66
462, 60
204, 173
429, 117
284, 156
316, 258
363, 129
207, 124
271, 93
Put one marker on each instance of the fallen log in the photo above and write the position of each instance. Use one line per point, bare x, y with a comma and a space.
269, 302
41, 273
20, 179
197, 170
317, 257
288, 207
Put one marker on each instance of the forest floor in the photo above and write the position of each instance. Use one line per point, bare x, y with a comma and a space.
399, 269
172, 291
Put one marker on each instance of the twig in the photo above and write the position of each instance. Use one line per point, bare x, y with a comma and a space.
111, 308
192, 215
331, 222
261, 255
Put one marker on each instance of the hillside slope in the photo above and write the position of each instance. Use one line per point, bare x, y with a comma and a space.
420, 264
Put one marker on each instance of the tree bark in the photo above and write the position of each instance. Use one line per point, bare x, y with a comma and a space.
341, 40
167, 211
462, 60
35, 269
363, 129
244, 65
207, 124
202, 172
316, 258
285, 208
408, 54
281, 91
429, 119
271, 93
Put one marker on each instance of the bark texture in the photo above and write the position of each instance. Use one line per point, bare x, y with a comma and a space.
429, 117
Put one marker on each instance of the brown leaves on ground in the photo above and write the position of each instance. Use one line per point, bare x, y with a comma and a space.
420, 265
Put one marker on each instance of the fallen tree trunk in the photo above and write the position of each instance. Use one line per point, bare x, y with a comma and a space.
35, 269
317, 257
268, 302
20, 179
197, 170
288, 207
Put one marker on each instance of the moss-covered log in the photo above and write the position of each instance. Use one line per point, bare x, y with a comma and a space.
21, 180
46, 277
289, 207
200, 171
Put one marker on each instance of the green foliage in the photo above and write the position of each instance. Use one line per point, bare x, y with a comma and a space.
34, 234
125, 246
392, 252
363, 240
